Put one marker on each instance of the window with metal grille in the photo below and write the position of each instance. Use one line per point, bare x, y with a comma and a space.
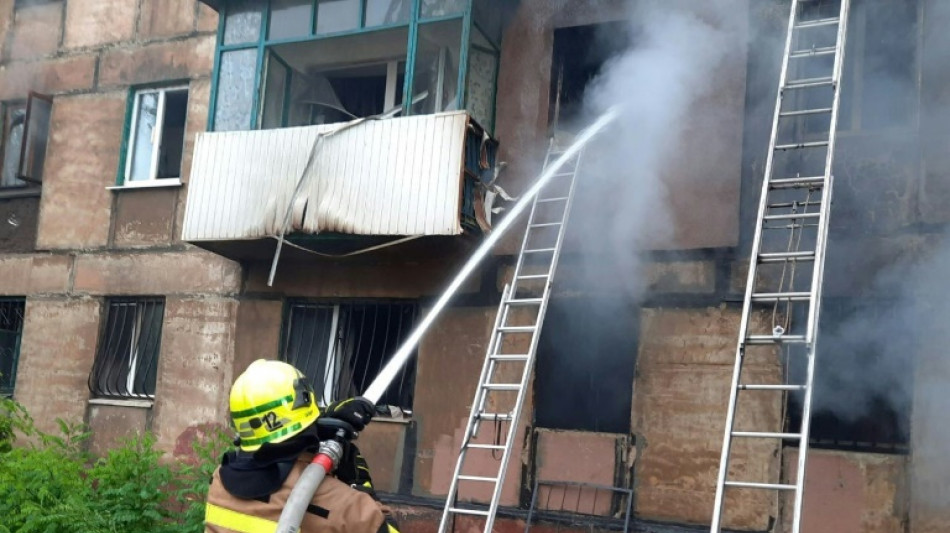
11, 327
127, 359
342, 347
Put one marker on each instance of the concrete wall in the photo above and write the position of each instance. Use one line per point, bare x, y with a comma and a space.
95, 243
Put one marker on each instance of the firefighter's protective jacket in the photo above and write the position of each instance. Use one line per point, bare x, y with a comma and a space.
335, 508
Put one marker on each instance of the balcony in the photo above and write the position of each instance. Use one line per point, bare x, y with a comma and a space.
368, 182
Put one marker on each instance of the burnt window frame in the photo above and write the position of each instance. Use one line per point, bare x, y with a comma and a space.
316, 359
108, 379
12, 316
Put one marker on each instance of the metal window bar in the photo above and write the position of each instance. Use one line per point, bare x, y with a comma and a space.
11, 328
126, 364
575, 505
342, 347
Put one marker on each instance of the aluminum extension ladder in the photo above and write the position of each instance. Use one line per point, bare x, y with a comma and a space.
788, 250
518, 321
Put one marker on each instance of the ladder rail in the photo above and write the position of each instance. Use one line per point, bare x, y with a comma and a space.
716, 525
819, 270
532, 350
527, 234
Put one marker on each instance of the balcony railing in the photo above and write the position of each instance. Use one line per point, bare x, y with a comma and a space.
408, 176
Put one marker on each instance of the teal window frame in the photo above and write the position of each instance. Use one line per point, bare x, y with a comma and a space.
415, 21
12, 313
129, 121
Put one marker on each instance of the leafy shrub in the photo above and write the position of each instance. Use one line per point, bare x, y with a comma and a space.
49, 484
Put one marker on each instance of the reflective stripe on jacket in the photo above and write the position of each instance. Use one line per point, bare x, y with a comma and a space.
335, 508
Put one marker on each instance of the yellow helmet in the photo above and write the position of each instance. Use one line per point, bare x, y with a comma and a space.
271, 402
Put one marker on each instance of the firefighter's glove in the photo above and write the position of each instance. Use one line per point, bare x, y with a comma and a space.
356, 412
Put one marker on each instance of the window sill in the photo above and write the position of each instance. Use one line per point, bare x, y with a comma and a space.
150, 184
19, 192
141, 404
389, 420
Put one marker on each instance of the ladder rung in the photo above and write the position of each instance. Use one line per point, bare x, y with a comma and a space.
525, 301
790, 183
766, 435
534, 276
795, 146
562, 174
555, 199
772, 387
786, 205
517, 329
813, 52
803, 112
772, 339
545, 224
487, 446
778, 257
808, 83
479, 478
753, 485
495, 416
475, 512
791, 216
502, 386
817, 22
781, 297
539, 250
510, 357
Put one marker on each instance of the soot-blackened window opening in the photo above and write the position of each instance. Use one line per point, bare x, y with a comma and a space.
341, 347
863, 378
586, 361
579, 54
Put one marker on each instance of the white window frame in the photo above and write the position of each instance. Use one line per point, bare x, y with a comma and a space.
156, 140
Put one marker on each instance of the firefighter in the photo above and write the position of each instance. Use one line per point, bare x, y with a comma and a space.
274, 411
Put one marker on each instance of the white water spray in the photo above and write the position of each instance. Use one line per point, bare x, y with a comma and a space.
402, 355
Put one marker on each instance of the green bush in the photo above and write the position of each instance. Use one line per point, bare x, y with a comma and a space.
49, 484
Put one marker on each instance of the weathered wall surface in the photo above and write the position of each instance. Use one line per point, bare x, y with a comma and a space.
850, 492
56, 354
684, 373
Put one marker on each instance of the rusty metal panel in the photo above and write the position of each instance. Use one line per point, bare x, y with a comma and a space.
398, 176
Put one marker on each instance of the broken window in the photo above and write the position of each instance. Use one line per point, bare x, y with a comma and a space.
11, 328
335, 80
587, 354
126, 362
342, 347
25, 133
157, 135
326, 61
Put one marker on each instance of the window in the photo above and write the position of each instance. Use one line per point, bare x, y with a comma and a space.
863, 378
156, 135
11, 328
324, 61
127, 358
586, 359
25, 132
578, 55
342, 347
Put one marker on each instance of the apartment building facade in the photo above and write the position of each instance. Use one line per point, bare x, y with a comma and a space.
151, 155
